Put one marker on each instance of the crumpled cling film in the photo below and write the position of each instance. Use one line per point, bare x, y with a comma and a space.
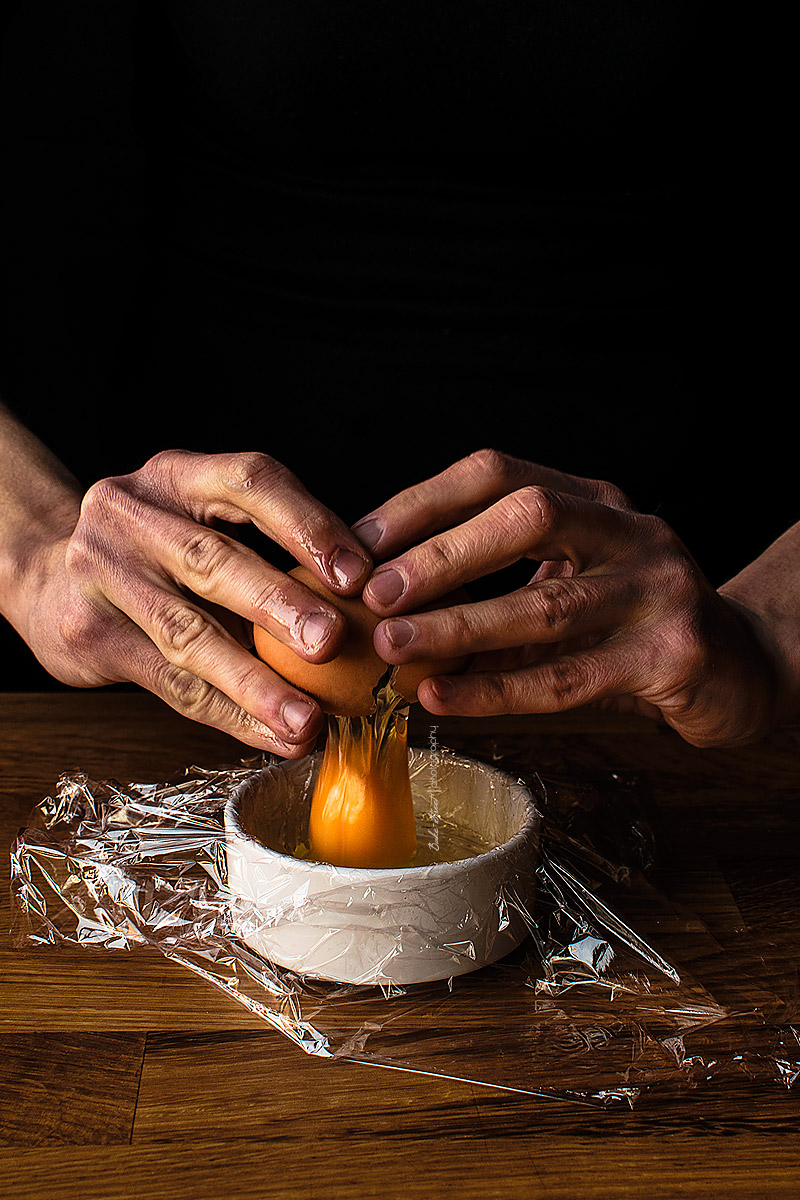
587, 1007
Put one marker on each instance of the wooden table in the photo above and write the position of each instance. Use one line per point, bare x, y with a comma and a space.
123, 1075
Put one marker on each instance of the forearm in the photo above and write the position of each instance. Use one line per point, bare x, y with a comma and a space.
769, 590
39, 505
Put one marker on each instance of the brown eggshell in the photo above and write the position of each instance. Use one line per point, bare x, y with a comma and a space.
344, 686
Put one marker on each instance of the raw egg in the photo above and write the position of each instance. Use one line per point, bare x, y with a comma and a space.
362, 810
345, 686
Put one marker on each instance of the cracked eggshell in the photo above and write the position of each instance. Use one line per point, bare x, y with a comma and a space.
344, 686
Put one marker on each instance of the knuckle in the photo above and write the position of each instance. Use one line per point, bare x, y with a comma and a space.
608, 494
102, 495
534, 507
442, 553
166, 459
663, 537
251, 470
686, 646
204, 555
180, 629
80, 555
161, 475
568, 679
556, 604
78, 627
461, 626
682, 580
495, 692
488, 462
686, 592
659, 531
110, 503
158, 463
248, 683
186, 692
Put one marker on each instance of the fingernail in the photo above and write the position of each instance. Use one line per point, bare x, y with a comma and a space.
400, 632
296, 714
387, 586
347, 566
315, 629
442, 689
369, 532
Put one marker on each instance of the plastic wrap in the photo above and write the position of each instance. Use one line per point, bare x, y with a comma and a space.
612, 990
403, 925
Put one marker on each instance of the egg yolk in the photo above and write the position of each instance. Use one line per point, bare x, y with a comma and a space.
362, 812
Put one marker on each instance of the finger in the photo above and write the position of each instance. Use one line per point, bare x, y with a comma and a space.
550, 611
555, 685
191, 641
455, 494
219, 569
129, 655
238, 628
254, 487
198, 700
533, 521
461, 491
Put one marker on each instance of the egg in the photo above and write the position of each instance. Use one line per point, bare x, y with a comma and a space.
362, 809
345, 685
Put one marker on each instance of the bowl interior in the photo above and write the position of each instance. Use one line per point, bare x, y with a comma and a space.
273, 808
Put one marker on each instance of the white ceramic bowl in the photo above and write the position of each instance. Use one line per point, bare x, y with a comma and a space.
386, 925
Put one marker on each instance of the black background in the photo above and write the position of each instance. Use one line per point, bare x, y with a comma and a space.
689, 413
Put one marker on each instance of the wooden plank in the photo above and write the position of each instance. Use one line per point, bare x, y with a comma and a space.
75, 990
97, 991
245, 1085
620, 1167
225, 1106
123, 735
69, 1088
252, 1086
128, 735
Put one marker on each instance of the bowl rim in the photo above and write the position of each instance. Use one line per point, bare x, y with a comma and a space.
528, 831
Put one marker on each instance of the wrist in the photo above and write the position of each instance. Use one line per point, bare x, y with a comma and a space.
29, 544
39, 507
775, 633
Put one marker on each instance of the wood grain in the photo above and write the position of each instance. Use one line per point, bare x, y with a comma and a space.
537, 1167
67, 1088
123, 1075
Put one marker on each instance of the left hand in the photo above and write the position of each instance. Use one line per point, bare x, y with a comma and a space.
617, 613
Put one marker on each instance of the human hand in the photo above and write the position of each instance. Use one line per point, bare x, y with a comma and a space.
618, 613
146, 589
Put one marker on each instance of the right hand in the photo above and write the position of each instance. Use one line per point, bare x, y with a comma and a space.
618, 613
146, 590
